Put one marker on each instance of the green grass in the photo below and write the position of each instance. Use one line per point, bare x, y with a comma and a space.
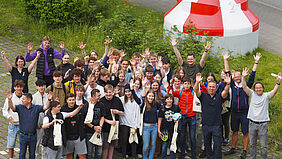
16, 26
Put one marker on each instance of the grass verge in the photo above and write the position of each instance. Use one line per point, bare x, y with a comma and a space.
16, 26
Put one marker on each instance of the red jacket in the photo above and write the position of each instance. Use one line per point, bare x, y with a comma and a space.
186, 100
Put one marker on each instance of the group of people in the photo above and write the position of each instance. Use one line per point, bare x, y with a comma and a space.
140, 105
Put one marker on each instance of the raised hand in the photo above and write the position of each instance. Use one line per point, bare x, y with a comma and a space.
122, 54
81, 45
173, 41
9, 95
107, 41
146, 53
110, 52
166, 85
199, 77
38, 53
62, 45
57, 99
225, 55
160, 64
81, 105
278, 79
147, 86
257, 57
208, 46
245, 71
50, 95
227, 79
29, 47
2, 54
67, 74
131, 84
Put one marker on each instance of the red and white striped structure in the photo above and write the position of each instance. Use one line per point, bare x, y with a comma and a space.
230, 20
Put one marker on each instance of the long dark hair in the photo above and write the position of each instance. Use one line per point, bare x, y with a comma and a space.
126, 98
147, 104
61, 66
159, 97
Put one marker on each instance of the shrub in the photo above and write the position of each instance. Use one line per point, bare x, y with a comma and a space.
58, 13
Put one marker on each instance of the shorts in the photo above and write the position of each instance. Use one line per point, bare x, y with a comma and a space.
105, 141
54, 154
13, 131
238, 119
76, 147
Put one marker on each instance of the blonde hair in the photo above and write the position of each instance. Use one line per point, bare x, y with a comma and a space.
108, 87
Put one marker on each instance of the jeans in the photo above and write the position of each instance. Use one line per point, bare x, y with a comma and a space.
149, 131
13, 131
90, 147
213, 133
165, 145
25, 141
258, 131
191, 123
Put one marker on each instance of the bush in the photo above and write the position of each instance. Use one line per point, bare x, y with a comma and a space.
58, 13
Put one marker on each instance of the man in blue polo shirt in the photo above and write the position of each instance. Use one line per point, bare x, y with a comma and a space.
28, 119
211, 114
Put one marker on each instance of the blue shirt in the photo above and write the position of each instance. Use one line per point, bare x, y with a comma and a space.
211, 109
28, 118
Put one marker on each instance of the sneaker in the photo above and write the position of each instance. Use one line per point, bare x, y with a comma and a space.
203, 154
187, 157
203, 147
139, 156
225, 142
243, 154
230, 152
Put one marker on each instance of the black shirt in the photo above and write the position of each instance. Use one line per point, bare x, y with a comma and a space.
16, 75
74, 125
150, 116
166, 115
98, 113
114, 103
65, 68
211, 109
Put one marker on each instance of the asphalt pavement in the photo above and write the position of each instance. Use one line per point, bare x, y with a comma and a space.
268, 11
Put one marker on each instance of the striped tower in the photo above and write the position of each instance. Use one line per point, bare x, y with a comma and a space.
233, 24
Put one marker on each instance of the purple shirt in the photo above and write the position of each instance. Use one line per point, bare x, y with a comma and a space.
29, 57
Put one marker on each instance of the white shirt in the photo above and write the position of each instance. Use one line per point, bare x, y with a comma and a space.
87, 94
131, 116
37, 99
259, 106
7, 112
46, 119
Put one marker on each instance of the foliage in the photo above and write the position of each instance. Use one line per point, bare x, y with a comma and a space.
58, 13
133, 29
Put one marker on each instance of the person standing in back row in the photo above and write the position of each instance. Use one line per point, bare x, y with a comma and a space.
46, 65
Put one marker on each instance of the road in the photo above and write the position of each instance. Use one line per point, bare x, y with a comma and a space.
268, 11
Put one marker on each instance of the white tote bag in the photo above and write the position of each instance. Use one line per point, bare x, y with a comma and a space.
96, 139
141, 121
173, 146
113, 135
